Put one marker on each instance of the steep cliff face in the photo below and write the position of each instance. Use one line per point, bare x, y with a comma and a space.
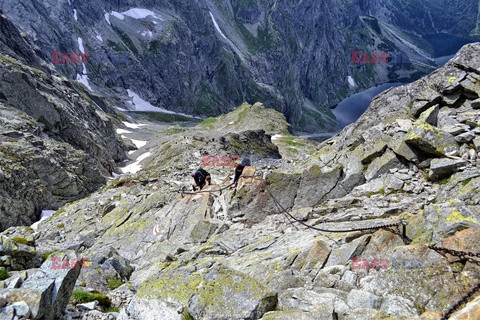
57, 142
207, 57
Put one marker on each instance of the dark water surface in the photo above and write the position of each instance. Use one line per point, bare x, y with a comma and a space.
350, 109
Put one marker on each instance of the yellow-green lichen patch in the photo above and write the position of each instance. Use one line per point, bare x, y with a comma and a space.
217, 290
457, 216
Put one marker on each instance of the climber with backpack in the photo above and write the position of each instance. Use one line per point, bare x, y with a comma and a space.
239, 169
201, 176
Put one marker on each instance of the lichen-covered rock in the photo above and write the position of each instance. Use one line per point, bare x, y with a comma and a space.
430, 115
20, 255
219, 293
431, 139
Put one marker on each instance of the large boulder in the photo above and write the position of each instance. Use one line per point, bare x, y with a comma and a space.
432, 140
441, 168
48, 291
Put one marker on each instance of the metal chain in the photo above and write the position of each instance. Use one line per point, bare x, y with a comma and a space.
284, 211
456, 253
464, 299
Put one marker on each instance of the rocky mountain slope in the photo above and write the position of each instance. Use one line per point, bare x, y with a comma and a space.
57, 142
207, 57
160, 253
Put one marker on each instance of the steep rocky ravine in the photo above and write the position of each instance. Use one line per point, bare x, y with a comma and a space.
161, 254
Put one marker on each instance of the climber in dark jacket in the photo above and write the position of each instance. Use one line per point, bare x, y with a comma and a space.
239, 170
201, 176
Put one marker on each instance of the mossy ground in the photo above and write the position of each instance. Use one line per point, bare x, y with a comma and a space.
79, 296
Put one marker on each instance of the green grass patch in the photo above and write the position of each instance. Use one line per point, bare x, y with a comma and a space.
291, 141
174, 130
114, 283
208, 123
4, 274
20, 240
46, 255
79, 296
264, 41
443, 181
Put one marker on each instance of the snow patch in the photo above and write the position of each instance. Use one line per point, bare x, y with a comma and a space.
276, 136
43, 216
75, 14
107, 17
133, 125
121, 131
84, 79
141, 105
351, 81
80, 45
139, 143
117, 15
135, 167
139, 13
216, 25
46, 213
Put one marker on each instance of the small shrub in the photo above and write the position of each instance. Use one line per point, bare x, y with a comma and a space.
4, 274
45, 255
